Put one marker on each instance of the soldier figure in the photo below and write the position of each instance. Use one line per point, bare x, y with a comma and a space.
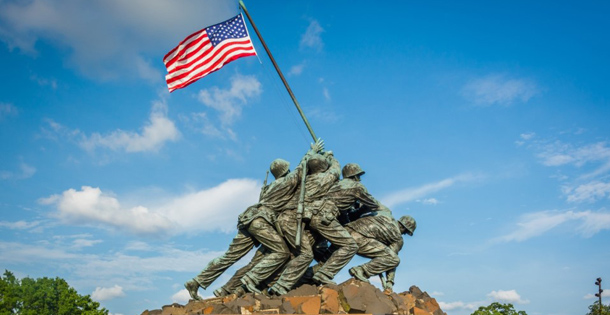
321, 212
257, 225
379, 237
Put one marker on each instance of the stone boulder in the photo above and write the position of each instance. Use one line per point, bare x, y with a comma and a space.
349, 297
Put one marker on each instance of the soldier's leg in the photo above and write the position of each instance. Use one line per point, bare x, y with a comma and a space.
339, 237
383, 258
296, 267
235, 282
278, 252
241, 244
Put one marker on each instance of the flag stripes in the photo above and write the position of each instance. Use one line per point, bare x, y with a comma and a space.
198, 55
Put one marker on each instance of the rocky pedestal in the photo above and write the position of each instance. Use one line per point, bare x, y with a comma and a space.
350, 297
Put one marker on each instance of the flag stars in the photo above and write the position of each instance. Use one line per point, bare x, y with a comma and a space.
234, 28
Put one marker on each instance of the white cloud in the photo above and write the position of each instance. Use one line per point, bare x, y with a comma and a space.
591, 185
312, 38
217, 206
108, 39
229, 102
19, 225
81, 242
104, 294
411, 194
497, 89
115, 268
326, 94
44, 81
458, 305
157, 131
181, 297
589, 192
430, 201
589, 296
25, 171
7, 109
296, 69
510, 296
527, 136
585, 223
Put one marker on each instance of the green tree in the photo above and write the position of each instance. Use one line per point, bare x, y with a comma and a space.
594, 309
43, 296
496, 308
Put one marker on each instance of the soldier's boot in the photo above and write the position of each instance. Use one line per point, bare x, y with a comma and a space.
358, 273
277, 290
220, 292
321, 278
240, 291
250, 285
192, 286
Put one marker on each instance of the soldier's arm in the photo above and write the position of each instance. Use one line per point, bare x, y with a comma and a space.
366, 199
315, 148
396, 246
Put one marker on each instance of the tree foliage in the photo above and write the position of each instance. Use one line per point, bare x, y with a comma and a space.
43, 296
496, 308
594, 309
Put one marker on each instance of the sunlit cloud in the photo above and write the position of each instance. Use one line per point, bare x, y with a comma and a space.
108, 39
510, 296
499, 90
217, 206
227, 103
105, 294
155, 133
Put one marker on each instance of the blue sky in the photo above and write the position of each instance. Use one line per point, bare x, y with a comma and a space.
486, 121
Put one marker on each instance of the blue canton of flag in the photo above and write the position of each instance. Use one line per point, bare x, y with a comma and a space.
233, 28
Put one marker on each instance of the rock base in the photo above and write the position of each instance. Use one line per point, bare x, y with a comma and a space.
350, 297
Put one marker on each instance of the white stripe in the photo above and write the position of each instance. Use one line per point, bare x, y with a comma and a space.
203, 50
181, 47
198, 73
219, 48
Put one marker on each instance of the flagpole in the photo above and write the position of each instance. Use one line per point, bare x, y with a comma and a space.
277, 68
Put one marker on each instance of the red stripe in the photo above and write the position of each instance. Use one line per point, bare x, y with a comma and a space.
207, 68
185, 84
193, 46
209, 55
184, 59
221, 52
182, 42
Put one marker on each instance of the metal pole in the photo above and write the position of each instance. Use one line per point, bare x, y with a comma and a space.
598, 282
294, 99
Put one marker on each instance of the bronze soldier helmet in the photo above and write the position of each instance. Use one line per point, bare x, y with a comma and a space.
279, 168
408, 223
351, 170
317, 164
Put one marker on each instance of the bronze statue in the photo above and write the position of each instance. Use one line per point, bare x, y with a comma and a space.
256, 225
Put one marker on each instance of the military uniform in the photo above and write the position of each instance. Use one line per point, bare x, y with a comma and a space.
256, 226
321, 214
379, 238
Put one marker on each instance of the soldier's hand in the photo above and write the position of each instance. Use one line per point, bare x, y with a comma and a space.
318, 146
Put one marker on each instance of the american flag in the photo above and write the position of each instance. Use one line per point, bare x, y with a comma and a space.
206, 51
